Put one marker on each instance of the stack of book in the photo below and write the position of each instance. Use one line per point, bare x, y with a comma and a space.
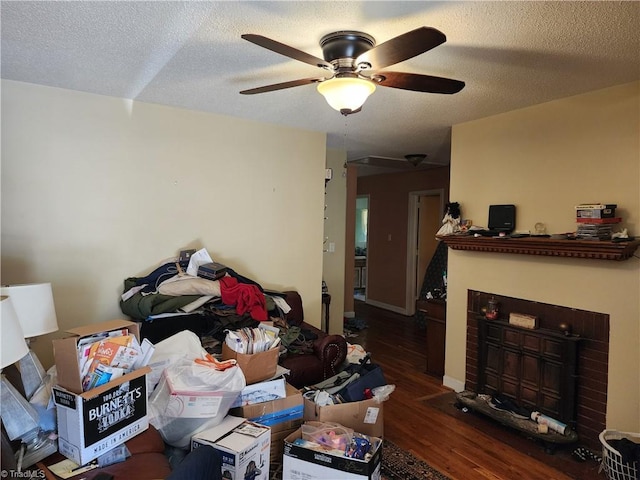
596, 220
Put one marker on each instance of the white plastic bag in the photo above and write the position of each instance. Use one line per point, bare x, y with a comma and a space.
381, 394
191, 397
184, 344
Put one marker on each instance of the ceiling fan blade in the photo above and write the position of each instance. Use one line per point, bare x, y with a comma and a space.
402, 47
286, 50
281, 86
419, 83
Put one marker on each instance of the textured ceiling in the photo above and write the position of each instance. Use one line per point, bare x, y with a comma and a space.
190, 54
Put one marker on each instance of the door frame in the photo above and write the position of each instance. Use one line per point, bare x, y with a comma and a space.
412, 240
368, 198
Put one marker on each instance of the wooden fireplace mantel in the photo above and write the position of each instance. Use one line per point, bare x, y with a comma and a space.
600, 250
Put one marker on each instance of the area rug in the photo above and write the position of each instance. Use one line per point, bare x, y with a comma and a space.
397, 464
355, 324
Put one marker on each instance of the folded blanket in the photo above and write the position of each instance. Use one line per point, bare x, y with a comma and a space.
141, 307
188, 285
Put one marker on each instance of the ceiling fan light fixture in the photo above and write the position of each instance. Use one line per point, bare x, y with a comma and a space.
346, 94
415, 159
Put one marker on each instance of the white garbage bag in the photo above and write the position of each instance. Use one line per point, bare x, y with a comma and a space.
191, 397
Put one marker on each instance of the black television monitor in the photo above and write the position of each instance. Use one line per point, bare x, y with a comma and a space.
502, 218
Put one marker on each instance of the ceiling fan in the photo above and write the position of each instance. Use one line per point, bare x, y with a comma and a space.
409, 162
353, 64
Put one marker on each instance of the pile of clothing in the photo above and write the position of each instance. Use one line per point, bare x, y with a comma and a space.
172, 297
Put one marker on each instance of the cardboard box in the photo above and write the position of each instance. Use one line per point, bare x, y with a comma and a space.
365, 416
257, 366
274, 412
94, 422
608, 212
277, 442
283, 416
261, 392
302, 463
243, 447
65, 352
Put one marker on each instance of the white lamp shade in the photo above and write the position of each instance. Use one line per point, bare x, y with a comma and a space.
346, 93
34, 305
13, 344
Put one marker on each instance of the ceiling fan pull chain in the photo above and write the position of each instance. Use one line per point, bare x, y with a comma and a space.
344, 137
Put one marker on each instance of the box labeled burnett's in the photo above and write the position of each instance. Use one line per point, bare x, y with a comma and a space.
65, 351
94, 422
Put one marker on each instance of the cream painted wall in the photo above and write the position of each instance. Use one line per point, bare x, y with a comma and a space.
96, 189
334, 232
546, 159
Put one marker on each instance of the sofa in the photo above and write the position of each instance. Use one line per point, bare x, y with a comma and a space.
328, 354
324, 360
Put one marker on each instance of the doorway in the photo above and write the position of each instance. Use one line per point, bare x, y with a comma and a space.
425, 218
361, 243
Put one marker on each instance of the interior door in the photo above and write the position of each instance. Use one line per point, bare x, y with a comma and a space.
361, 244
428, 225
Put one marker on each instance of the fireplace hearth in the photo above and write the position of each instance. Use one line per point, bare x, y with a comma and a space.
592, 328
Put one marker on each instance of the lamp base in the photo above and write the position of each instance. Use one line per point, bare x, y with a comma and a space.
32, 373
19, 418
35, 452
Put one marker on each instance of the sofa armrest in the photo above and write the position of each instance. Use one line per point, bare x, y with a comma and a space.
332, 352
296, 315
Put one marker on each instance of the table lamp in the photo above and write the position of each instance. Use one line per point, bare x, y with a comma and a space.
33, 303
18, 416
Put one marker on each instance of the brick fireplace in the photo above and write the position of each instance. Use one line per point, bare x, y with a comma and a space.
593, 354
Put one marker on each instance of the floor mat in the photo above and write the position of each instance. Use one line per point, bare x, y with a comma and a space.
398, 464
355, 324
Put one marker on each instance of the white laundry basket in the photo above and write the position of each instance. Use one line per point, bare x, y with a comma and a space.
612, 463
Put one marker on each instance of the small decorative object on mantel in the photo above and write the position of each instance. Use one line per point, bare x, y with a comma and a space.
565, 328
523, 320
451, 220
492, 309
540, 229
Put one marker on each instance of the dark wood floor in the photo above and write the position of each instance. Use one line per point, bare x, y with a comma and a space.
420, 415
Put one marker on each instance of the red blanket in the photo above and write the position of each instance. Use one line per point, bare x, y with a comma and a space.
245, 297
